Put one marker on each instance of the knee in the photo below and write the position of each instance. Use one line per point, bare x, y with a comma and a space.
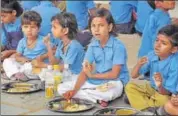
129, 86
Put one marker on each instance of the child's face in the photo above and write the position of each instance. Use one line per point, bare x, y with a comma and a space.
100, 28
163, 47
30, 30
168, 4
7, 17
57, 29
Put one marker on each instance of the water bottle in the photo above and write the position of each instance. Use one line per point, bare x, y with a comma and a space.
66, 73
49, 88
57, 76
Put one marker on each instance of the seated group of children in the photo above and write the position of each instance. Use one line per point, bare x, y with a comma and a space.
104, 62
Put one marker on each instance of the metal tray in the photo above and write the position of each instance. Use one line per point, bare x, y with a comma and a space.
33, 87
113, 110
60, 105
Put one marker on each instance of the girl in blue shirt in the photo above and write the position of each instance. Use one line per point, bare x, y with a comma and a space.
106, 82
29, 48
162, 65
11, 27
69, 52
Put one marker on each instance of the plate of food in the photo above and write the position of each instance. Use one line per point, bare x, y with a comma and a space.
20, 87
117, 111
69, 106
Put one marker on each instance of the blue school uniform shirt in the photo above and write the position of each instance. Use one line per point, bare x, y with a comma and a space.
156, 21
122, 10
28, 5
10, 27
31, 54
73, 56
144, 10
167, 67
80, 10
47, 10
114, 53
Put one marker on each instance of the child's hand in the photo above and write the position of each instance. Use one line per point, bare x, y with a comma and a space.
39, 58
174, 100
25, 60
142, 61
46, 40
158, 79
87, 67
69, 94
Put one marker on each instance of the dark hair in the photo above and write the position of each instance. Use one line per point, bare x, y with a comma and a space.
7, 6
152, 3
31, 16
172, 32
103, 12
67, 20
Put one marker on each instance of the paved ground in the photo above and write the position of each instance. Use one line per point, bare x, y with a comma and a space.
35, 103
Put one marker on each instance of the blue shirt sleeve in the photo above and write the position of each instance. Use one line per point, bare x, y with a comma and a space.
58, 52
21, 46
89, 55
171, 82
3, 38
71, 55
119, 55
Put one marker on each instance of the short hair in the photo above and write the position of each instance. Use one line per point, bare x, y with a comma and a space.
170, 31
7, 6
67, 20
31, 16
103, 12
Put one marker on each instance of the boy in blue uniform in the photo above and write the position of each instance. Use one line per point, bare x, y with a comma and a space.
11, 27
162, 64
70, 52
158, 19
122, 14
144, 10
29, 48
82, 10
106, 82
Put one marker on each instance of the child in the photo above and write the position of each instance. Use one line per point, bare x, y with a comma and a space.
122, 14
29, 48
144, 9
162, 64
70, 52
109, 55
158, 19
11, 27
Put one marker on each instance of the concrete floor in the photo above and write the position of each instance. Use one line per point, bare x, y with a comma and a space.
35, 103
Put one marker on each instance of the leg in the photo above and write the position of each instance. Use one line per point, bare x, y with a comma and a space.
11, 67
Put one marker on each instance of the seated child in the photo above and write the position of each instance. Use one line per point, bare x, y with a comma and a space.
108, 54
11, 27
162, 64
158, 19
70, 52
28, 49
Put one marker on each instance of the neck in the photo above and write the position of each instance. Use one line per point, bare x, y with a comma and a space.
65, 41
104, 41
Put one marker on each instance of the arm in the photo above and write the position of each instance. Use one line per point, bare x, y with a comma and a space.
113, 74
20, 58
80, 81
52, 59
7, 53
140, 63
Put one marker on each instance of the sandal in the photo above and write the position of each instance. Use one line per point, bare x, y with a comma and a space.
103, 103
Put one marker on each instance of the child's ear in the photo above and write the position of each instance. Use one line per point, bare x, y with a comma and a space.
14, 13
110, 27
174, 50
66, 30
